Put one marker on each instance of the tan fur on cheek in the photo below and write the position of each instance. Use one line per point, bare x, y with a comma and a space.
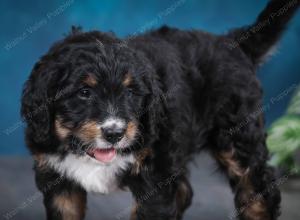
89, 131
131, 130
61, 131
71, 206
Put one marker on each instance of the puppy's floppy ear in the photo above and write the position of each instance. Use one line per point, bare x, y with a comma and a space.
36, 106
154, 106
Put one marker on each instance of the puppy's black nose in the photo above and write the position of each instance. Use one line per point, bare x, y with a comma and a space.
113, 135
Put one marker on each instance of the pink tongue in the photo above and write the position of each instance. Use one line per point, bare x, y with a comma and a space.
104, 155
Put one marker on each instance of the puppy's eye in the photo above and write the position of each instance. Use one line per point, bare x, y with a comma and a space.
85, 93
130, 90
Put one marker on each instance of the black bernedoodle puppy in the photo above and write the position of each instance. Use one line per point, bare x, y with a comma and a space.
105, 113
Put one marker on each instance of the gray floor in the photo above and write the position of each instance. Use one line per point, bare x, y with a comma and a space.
212, 200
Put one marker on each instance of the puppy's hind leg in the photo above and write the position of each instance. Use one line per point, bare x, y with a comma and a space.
244, 162
184, 196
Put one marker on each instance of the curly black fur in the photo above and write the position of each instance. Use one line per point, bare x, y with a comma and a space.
190, 91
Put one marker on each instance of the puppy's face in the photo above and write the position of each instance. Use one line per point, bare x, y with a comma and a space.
100, 94
100, 116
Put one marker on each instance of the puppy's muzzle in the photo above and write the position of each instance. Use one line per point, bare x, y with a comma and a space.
113, 130
113, 134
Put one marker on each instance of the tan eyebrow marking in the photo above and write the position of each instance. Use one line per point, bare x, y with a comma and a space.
127, 80
90, 80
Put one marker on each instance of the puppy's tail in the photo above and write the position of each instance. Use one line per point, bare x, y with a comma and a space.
259, 38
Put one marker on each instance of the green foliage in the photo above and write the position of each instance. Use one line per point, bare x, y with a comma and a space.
294, 107
284, 136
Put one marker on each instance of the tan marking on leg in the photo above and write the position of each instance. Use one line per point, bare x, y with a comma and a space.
133, 215
181, 196
90, 80
140, 157
261, 121
257, 211
40, 161
131, 130
127, 80
61, 131
89, 131
71, 205
252, 206
227, 159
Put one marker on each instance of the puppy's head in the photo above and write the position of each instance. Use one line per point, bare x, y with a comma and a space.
89, 95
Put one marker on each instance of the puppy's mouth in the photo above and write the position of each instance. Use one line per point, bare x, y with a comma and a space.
103, 155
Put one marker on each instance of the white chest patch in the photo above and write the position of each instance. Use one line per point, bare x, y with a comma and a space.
92, 175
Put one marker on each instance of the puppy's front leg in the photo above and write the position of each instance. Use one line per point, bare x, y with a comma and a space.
65, 206
63, 200
155, 197
158, 206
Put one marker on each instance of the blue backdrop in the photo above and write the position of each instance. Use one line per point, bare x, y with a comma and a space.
29, 27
